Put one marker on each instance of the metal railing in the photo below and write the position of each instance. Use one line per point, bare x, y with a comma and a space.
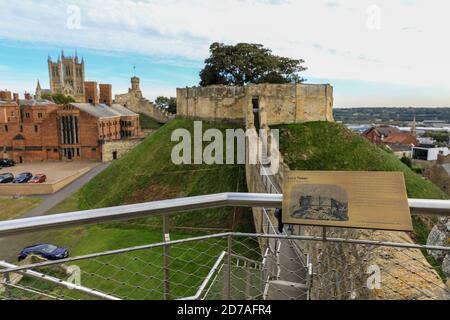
158, 208
212, 266
230, 266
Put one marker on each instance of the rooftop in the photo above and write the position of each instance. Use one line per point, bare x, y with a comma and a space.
400, 138
122, 110
35, 102
102, 110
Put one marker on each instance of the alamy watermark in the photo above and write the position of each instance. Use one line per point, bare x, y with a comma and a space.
237, 147
74, 17
374, 279
373, 21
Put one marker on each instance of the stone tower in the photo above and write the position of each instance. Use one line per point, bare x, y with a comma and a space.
67, 76
38, 93
136, 87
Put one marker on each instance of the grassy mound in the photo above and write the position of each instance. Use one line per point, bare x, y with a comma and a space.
148, 123
331, 146
147, 173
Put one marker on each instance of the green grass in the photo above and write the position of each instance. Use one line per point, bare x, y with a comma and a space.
148, 174
14, 208
331, 146
148, 123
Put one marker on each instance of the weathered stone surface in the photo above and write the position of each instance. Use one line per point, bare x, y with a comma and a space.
135, 101
118, 149
446, 266
440, 236
278, 103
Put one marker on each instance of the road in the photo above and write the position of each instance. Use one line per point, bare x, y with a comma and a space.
10, 246
58, 197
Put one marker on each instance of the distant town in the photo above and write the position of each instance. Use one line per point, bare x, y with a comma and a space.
431, 116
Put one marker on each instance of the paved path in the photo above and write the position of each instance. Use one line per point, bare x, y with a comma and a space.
10, 246
58, 197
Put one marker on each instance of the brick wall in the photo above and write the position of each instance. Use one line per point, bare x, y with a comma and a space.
91, 92
5, 95
106, 94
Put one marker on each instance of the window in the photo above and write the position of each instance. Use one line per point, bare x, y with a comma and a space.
21, 128
255, 103
55, 150
36, 128
94, 149
13, 114
6, 128
27, 115
40, 115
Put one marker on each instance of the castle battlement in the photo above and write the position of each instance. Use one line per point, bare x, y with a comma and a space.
278, 103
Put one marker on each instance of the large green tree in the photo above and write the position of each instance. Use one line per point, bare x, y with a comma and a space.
245, 63
58, 98
168, 103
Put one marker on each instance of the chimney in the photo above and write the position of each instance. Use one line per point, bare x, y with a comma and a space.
16, 98
5, 95
106, 94
28, 96
91, 92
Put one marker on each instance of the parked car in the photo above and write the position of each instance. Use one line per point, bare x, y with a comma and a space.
7, 163
46, 251
23, 177
6, 177
39, 178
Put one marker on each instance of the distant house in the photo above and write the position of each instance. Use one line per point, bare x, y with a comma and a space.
401, 138
427, 141
429, 153
379, 134
401, 143
401, 150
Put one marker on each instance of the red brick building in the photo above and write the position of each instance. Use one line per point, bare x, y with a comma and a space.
389, 135
40, 130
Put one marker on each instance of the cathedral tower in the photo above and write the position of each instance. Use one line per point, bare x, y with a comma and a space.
38, 93
67, 76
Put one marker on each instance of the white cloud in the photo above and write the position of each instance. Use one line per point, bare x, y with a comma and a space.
410, 48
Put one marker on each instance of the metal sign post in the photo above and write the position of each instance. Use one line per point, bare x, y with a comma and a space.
166, 253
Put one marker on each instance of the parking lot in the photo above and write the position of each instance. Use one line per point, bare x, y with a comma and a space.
59, 174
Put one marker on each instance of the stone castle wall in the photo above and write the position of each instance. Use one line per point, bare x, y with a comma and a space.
135, 101
281, 103
120, 147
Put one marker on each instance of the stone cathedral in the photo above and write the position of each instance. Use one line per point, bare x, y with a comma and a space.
67, 76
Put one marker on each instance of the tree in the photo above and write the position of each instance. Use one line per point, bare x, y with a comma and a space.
168, 103
58, 98
406, 161
248, 63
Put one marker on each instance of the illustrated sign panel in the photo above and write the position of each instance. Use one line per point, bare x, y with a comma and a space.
364, 200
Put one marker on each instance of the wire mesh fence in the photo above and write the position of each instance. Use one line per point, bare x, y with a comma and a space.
232, 266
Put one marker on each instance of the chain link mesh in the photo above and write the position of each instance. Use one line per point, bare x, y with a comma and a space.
232, 266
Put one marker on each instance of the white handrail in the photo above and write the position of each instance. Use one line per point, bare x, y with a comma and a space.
255, 200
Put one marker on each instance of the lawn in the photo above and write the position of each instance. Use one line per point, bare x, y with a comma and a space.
148, 174
331, 146
14, 208
148, 123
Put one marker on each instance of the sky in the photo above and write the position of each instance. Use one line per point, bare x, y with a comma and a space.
375, 53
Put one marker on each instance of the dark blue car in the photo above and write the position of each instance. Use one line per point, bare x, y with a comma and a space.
46, 251
23, 177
